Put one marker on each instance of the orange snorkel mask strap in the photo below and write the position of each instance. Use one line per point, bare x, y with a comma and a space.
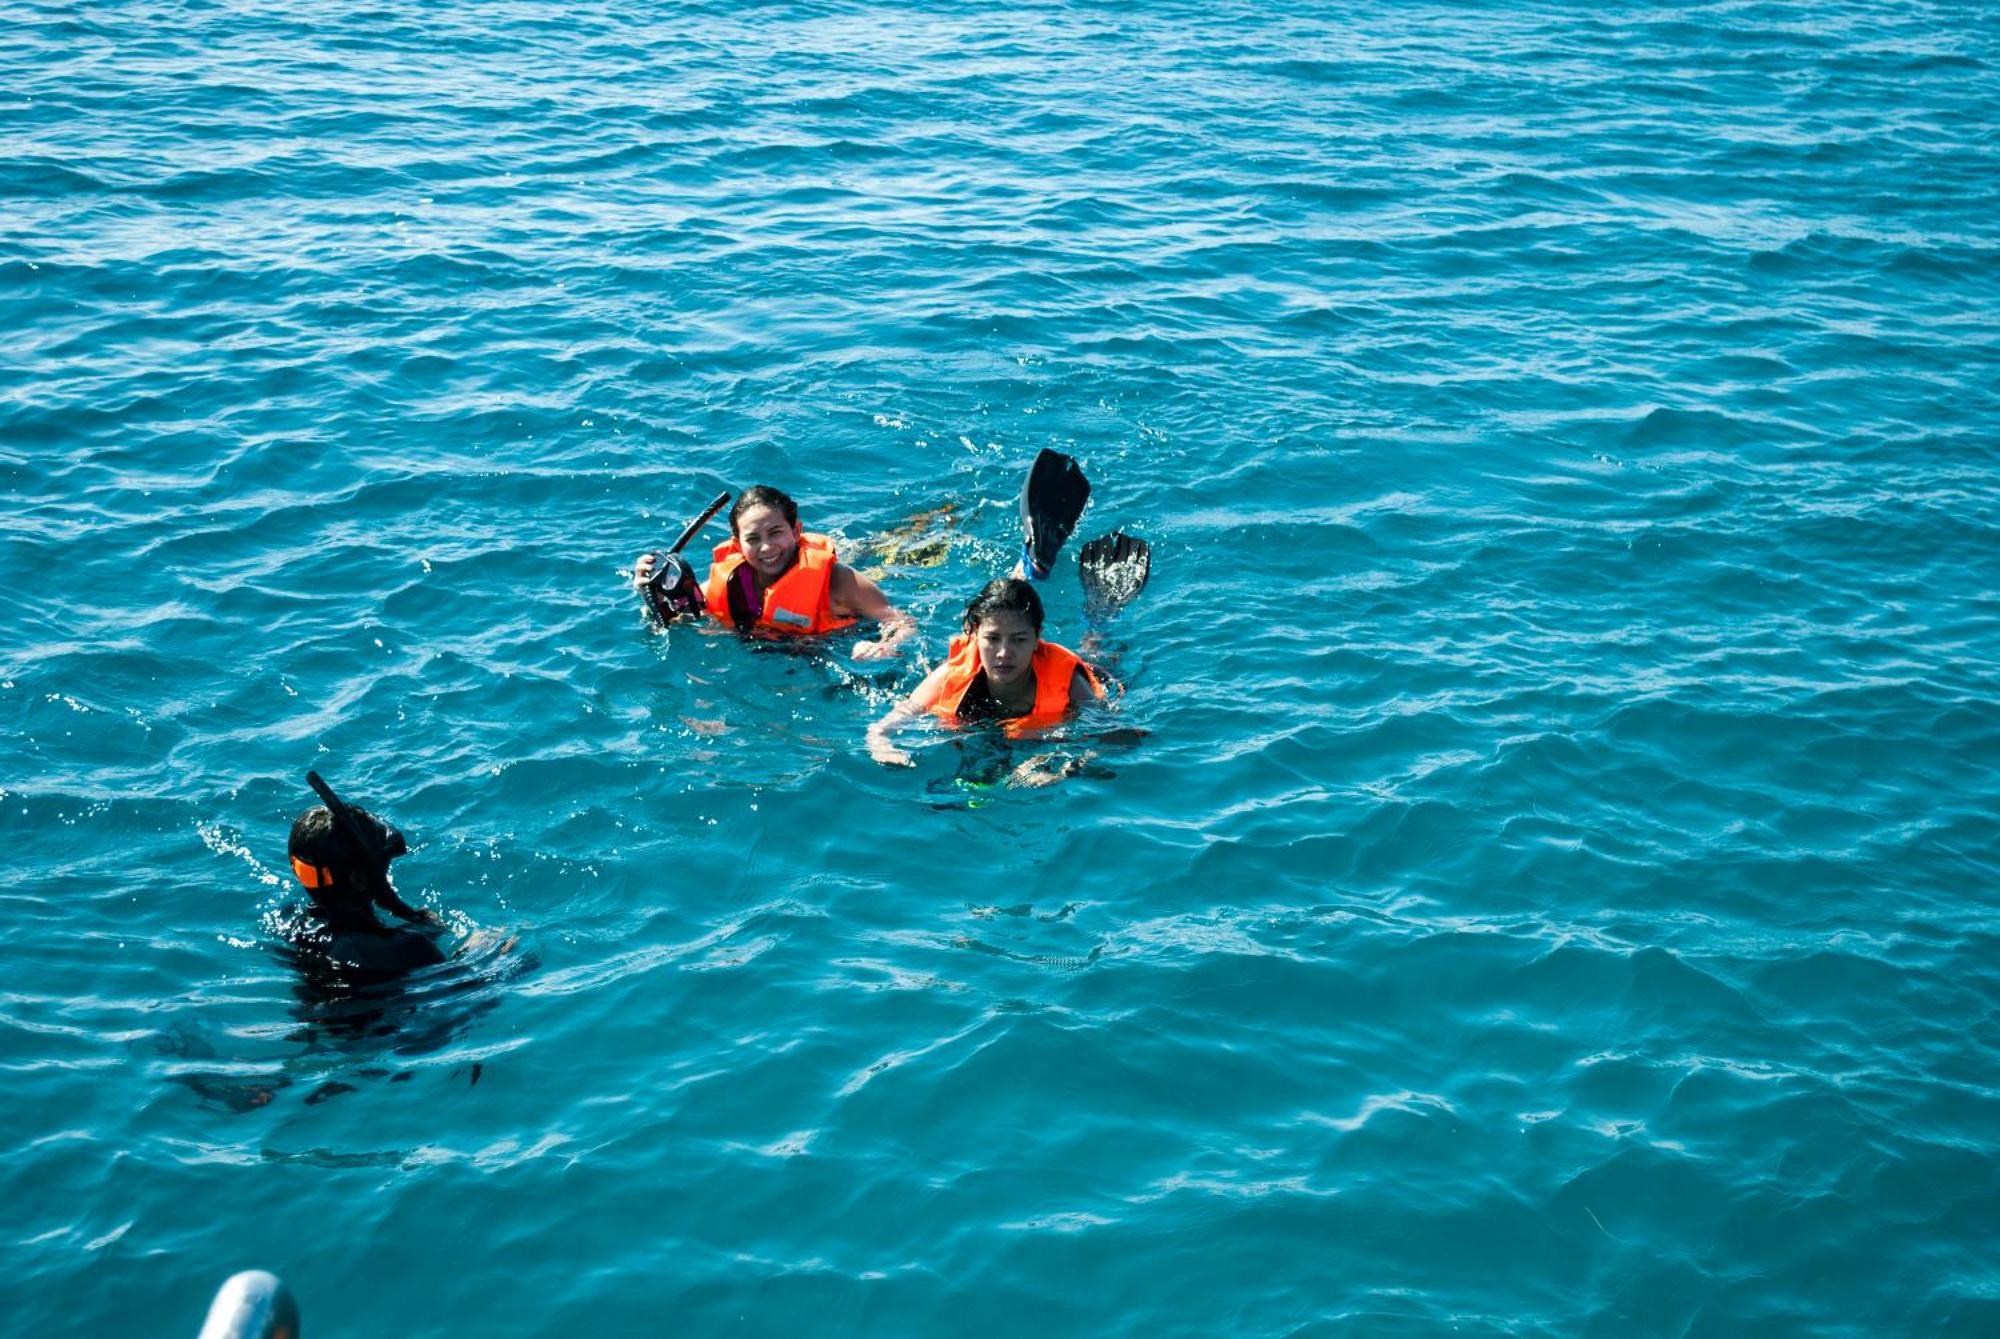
312, 876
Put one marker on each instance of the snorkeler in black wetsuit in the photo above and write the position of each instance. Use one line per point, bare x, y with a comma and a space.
341, 854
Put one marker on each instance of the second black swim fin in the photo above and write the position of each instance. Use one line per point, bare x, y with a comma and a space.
1113, 569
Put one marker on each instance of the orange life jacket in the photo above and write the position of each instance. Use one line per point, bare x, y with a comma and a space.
1053, 667
800, 602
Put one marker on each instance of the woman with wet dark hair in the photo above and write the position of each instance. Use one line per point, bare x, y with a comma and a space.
997, 669
777, 579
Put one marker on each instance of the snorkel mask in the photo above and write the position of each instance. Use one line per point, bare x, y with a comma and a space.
673, 591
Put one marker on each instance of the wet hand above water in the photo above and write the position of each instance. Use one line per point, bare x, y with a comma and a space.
886, 753
883, 649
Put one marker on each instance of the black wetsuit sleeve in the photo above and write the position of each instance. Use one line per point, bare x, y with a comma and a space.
389, 902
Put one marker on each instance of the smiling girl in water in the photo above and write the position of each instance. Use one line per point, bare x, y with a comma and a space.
997, 669
773, 578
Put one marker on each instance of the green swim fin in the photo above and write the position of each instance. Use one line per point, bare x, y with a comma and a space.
1051, 502
1113, 569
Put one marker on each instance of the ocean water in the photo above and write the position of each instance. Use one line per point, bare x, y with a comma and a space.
1548, 884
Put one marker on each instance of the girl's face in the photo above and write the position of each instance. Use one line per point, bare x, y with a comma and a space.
767, 539
1006, 642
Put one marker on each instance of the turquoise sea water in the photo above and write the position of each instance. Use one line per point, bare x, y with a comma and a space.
1555, 891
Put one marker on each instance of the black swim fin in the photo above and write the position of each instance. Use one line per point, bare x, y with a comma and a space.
1113, 569
1051, 502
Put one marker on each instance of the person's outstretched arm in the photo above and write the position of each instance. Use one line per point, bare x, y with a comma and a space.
388, 901
855, 596
881, 747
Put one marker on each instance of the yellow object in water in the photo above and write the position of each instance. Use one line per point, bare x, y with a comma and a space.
924, 540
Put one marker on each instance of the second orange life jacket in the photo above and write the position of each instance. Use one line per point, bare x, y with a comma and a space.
1053, 667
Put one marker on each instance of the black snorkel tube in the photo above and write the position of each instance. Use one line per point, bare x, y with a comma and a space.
672, 591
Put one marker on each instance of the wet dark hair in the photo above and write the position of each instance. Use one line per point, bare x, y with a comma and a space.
318, 840
763, 495
1008, 594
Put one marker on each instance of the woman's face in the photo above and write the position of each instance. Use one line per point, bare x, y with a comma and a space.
1006, 642
767, 540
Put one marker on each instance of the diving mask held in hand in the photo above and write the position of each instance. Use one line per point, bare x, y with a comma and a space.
673, 591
